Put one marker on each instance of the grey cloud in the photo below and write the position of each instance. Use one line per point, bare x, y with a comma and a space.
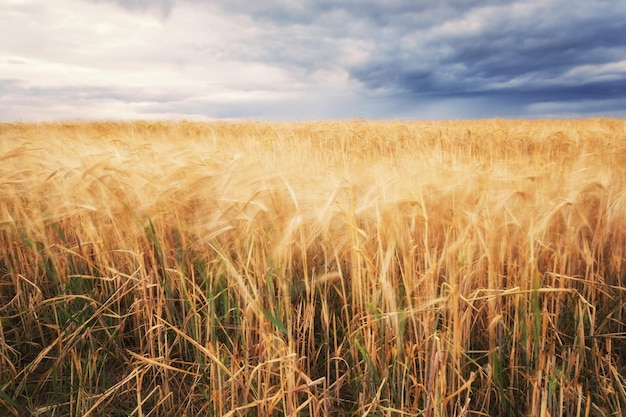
405, 58
604, 108
508, 50
376, 11
599, 90
75, 96
402, 58
162, 7
525, 58
7, 85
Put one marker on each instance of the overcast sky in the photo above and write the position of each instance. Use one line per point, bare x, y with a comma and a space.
311, 59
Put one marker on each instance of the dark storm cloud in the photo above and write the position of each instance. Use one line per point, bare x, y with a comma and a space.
499, 54
509, 49
507, 52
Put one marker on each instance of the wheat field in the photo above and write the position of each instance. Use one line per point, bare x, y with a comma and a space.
462, 268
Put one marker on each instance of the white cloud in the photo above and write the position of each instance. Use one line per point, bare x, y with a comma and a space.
597, 72
196, 53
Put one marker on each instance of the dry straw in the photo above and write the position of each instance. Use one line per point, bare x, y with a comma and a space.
313, 269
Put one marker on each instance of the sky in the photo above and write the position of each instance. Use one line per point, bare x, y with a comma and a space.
311, 59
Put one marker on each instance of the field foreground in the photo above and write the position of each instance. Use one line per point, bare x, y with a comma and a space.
313, 269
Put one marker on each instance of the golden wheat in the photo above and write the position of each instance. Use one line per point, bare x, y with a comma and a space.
321, 268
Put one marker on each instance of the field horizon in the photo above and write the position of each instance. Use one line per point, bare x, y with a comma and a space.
384, 268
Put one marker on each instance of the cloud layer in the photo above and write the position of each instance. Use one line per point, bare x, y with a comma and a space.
201, 59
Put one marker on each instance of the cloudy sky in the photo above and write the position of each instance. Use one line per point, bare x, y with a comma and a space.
311, 59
